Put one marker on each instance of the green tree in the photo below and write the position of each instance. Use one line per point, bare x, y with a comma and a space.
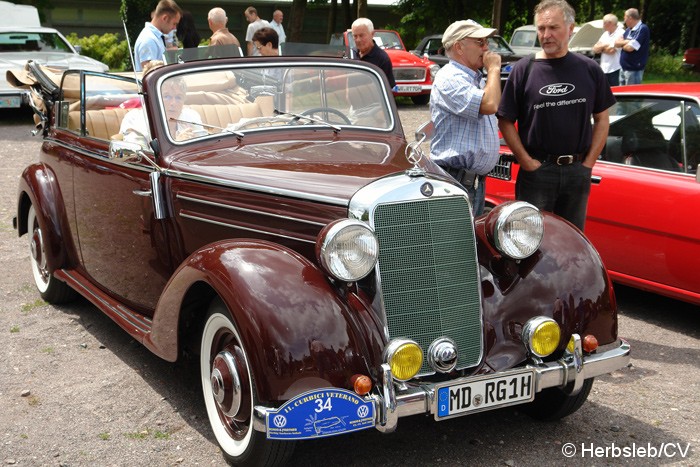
134, 13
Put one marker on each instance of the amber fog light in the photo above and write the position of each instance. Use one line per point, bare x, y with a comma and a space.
541, 336
347, 249
404, 357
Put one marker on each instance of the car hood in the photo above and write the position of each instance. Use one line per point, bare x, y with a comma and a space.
402, 58
586, 37
60, 60
332, 170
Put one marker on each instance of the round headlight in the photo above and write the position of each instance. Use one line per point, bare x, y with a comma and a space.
433, 71
347, 249
404, 357
516, 229
541, 335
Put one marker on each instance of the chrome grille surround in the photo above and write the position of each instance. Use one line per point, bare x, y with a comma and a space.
409, 74
428, 278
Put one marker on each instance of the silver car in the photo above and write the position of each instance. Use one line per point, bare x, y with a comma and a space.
43, 45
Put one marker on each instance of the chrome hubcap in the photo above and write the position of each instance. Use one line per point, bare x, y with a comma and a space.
226, 383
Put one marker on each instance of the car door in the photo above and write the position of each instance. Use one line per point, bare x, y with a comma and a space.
642, 213
123, 248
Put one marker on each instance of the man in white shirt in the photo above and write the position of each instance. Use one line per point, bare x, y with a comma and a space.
150, 45
251, 14
609, 54
276, 24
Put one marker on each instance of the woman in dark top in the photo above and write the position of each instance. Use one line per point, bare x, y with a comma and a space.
187, 32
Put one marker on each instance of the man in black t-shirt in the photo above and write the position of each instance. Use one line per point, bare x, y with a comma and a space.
552, 96
368, 51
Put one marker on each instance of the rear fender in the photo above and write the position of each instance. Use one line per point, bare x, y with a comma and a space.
299, 333
38, 188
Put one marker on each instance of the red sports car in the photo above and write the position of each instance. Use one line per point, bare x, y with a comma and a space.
414, 75
641, 213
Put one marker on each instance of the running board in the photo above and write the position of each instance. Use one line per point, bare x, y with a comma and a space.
137, 325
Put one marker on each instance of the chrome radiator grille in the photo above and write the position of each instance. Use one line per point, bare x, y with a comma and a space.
428, 272
409, 74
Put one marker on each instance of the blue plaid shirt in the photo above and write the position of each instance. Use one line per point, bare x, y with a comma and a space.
463, 137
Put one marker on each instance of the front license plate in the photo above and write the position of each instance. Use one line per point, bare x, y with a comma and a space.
10, 102
408, 88
485, 393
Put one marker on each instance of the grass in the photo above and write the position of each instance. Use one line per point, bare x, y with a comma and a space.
35, 304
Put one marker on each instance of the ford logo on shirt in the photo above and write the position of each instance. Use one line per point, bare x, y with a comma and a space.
558, 89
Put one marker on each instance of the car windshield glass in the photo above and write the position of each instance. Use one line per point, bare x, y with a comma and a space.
384, 39
32, 42
654, 132
212, 101
498, 45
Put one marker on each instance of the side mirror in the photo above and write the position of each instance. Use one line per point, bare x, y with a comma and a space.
125, 151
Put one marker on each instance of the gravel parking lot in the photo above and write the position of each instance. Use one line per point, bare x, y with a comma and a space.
75, 390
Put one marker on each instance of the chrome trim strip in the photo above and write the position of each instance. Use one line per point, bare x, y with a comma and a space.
233, 226
257, 188
96, 156
253, 211
420, 399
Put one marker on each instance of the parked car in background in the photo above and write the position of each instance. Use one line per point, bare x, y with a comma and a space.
22, 38
268, 219
642, 213
414, 75
524, 40
431, 47
691, 59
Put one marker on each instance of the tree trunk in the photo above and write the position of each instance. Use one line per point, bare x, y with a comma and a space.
361, 8
497, 14
332, 16
347, 14
296, 23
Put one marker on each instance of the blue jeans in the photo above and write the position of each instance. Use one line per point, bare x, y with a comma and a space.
561, 189
631, 77
478, 196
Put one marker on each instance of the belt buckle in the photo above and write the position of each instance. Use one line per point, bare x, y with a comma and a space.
566, 159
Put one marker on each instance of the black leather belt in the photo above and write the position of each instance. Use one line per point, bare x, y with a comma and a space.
563, 159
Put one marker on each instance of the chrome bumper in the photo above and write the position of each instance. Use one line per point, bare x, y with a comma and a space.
402, 400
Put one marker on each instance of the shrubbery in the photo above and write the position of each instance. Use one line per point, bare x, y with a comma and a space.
106, 48
662, 66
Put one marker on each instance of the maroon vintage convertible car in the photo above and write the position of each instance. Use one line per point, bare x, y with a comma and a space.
268, 217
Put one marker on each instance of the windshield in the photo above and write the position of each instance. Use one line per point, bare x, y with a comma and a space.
32, 42
384, 39
272, 97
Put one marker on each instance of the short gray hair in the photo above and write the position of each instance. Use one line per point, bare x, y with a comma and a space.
563, 5
366, 22
610, 18
633, 13
217, 16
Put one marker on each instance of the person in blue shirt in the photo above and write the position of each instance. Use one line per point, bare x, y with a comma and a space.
462, 107
150, 45
635, 48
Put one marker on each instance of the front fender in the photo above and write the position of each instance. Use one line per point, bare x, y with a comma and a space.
565, 280
38, 188
299, 333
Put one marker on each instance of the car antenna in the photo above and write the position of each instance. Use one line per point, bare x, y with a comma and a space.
131, 55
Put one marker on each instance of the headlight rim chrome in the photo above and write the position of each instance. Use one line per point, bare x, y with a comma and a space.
324, 243
529, 330
498, 220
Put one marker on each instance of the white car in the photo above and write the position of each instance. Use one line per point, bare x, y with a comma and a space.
22, 38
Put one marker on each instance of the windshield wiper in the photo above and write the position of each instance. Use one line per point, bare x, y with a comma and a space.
206, 125
310, 118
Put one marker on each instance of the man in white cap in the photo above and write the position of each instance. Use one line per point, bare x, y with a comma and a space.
465, 142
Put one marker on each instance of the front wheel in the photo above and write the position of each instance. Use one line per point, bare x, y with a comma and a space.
555, 403
230, 395
51, 289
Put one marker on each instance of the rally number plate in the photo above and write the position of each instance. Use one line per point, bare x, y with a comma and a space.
485, 393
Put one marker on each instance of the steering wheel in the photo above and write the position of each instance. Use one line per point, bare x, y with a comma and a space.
316, 110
